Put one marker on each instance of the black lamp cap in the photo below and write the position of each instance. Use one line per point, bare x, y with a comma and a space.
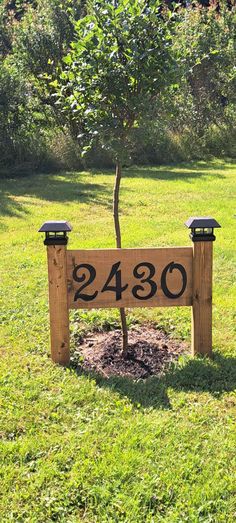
202, 222
59, 226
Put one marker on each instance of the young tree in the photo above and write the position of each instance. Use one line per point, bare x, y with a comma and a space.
118, 65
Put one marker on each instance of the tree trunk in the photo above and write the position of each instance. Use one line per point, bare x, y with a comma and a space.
118, 245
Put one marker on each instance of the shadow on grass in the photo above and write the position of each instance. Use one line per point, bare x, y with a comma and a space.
184, 171
61, 187
54, 188
200, 374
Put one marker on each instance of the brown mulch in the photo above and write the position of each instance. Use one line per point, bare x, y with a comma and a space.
150, 352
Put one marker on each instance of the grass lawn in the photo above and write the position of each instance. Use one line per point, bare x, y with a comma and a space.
77, 448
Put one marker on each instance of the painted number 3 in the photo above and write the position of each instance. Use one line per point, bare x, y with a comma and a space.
144, 271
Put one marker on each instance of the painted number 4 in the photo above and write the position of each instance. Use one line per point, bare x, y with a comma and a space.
117, 288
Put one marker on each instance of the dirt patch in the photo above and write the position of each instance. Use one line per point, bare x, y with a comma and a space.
150, 353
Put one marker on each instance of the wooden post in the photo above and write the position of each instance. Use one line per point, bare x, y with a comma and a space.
58, 304
56, 240
202, 235
202, 298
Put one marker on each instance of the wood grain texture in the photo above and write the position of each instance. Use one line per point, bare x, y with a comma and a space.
202, 298
58, 304
103, 260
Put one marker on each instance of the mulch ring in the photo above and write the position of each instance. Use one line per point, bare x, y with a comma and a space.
150, 352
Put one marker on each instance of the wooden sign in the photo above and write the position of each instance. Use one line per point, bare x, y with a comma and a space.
105, 278
129, 278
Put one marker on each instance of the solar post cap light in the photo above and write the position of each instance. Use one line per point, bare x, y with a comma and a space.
56, 232
202, 228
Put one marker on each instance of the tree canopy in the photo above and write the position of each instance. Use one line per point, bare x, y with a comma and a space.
120, 60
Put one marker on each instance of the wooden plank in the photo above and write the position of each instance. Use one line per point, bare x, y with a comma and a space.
143, 275
202, 298
58, 304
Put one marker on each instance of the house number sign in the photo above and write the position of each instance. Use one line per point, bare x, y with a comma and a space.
106, 278
129, 277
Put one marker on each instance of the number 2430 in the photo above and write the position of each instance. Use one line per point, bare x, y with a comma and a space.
144, 271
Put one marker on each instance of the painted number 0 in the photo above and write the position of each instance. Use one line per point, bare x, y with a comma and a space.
169, 268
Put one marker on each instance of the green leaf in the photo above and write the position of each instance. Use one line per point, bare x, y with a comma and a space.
54, 83
68, 59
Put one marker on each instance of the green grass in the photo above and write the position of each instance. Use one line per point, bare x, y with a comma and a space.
77, 448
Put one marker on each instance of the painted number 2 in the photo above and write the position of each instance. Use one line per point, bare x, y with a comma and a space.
87, 269
144, 271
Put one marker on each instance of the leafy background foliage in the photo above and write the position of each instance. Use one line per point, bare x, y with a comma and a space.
194, 118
